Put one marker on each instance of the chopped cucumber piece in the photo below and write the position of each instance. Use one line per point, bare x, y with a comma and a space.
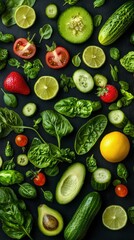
100, 179
100, 80
22, 159
83, 80
29, 109
117, 118
51, 10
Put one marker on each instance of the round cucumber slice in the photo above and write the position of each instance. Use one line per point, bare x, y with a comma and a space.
22, 159
100, 179
51, 10
75, 24
117, 118
83, 80
100, 80
29, 109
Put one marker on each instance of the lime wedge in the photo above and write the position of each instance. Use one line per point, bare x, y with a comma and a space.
25, 16
93, 56
46, 87
114, 217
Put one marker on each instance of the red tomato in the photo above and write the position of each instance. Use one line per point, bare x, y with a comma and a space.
21, 140
108, 94
39, 179
57, 58
121, 190
24, 48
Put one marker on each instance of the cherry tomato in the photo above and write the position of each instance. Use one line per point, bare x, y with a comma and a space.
24, 48
21, 140
57, 58
108, 94
121, 190
39, 179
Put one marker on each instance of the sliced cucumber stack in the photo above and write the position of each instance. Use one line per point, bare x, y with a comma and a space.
117, 118
83, 80
100, 179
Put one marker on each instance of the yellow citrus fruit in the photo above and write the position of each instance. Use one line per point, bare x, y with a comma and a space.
114, 217
46, 87
93, 56
114, 146
25, 16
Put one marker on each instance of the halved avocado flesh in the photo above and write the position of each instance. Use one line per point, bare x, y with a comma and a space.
70, 183
50, 221
75, 24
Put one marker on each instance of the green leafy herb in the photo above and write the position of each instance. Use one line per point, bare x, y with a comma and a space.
114, 53
91, 163
70, 2
129, 129
15, 218
47, 195
116, 182
9, 164
52, 171
114, 72
56, 124
130, 212
89, 133
76, 60
13, 62
10, 177
127, 61
66, 82
27, 190
124, 85
9, 150
98, 3
45, 32
97, 20
9, 99
6, 38
122, 171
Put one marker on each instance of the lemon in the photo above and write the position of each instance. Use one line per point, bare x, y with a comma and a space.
114, 146
46, 87
114, 217
25, 16
93, 56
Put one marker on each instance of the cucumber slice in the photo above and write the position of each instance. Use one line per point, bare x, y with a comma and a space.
117, 118
22, 159
100, 80
100, 179
83, 80
51, 10
75, 24
29, 109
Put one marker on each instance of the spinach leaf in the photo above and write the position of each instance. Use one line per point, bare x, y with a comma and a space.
45, 32
48, 155
89, 133
27, 190
9, 120
56, 125
76, 60
73, 107
11, 213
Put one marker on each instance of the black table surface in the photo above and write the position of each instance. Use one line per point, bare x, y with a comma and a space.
96, 230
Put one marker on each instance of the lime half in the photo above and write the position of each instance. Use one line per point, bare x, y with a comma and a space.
114, 217
46, 87
93, 56
25, 16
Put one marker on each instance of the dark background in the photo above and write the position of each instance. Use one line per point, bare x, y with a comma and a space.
97, 230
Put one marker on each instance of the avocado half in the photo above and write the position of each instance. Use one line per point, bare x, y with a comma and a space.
70, 183
50, 221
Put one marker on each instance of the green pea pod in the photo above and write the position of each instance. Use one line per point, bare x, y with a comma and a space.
9, 177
